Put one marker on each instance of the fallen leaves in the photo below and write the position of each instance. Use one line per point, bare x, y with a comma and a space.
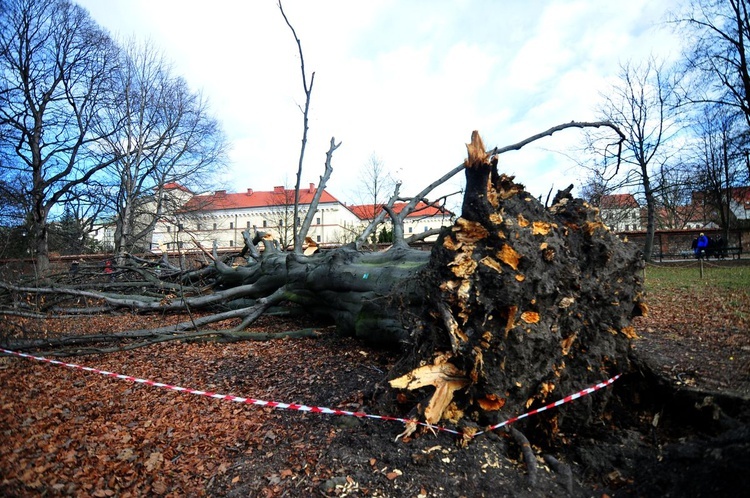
77, 433
691, 331
154, 461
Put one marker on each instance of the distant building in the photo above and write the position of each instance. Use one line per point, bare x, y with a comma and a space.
740, 203
620, 212
104, 234
738, 206
220, 218
424, 217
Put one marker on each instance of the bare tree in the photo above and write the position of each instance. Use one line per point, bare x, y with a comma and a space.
675, 206
56, 65
166, 137
307, 87
14, 226
640, 106
718, 44
375, 186
718, 161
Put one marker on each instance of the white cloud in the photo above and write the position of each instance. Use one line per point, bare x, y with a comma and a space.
406, 80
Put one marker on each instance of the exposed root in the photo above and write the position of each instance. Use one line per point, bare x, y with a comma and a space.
528, 454
566, 475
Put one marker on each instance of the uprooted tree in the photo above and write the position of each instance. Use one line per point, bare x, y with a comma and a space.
516, 304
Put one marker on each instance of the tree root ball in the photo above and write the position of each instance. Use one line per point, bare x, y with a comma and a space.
528, 303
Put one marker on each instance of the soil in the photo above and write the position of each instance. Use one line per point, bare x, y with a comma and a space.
677, 425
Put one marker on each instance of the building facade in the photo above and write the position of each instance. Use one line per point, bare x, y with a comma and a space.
220, 218
620, 212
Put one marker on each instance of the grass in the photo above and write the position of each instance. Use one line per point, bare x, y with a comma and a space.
688, 278
679, 299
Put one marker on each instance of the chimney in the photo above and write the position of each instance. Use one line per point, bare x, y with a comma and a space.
312, 188
249, 191
220, 193
278, 190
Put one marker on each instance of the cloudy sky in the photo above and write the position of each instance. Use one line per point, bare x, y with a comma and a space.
406, 81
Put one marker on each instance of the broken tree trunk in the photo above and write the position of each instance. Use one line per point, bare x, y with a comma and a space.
525, 304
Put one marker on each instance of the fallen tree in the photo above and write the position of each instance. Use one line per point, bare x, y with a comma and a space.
517, 302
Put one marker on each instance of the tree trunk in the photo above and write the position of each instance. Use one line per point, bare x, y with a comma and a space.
40, 245
352, 288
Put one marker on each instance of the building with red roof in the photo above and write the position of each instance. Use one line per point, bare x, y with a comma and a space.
620, 212
220, 218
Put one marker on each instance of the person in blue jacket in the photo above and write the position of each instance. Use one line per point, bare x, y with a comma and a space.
701, 246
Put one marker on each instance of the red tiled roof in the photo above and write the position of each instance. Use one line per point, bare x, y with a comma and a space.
618, 201
741, 195
369, 211
279, 196
176, 186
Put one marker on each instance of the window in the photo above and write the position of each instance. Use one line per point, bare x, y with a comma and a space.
317, 221
214, 226
169, 229
248, 225
281, 223
265, 223
198, 226
318, 237
231, 243
231, 225
411, 229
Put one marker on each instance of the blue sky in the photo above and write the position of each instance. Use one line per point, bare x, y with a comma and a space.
405, 80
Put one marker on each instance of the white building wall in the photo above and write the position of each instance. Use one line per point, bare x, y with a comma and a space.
622, 219
331, 224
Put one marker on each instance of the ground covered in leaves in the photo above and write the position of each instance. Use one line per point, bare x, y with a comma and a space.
677, 427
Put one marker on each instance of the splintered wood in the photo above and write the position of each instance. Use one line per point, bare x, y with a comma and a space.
444, 376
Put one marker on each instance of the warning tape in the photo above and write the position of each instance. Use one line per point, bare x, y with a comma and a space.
566, 399
305, 408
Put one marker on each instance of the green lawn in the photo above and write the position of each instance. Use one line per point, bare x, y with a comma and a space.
688, 278
681, 293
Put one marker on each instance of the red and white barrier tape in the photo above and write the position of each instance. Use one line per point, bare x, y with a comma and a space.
557, 403
305, 408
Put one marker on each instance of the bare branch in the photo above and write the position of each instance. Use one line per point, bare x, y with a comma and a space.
305, 114
560, 127
377, 220
305, 228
